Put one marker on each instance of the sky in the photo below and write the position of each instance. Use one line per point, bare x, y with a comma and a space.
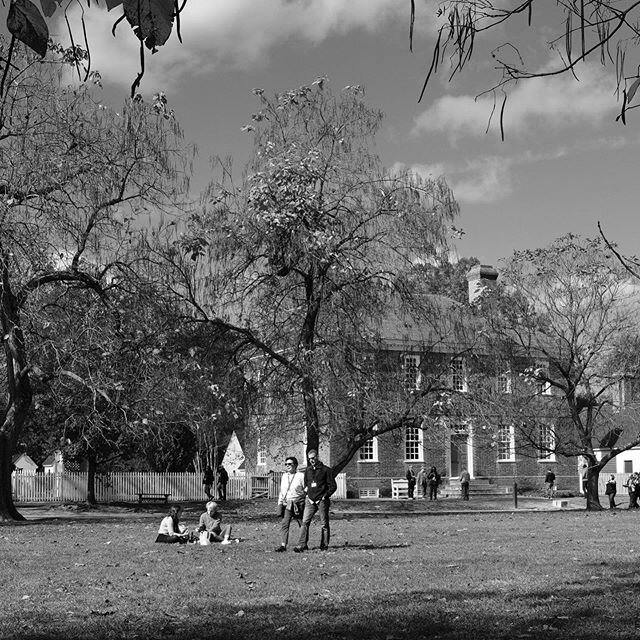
564, 165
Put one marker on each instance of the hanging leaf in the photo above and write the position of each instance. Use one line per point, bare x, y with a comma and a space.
26, 23
632, 89
151, 20
49, 7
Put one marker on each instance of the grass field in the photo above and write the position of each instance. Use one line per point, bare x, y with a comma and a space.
394, 571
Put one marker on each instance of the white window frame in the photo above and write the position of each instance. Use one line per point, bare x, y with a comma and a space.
370, 450
261, 454
506, 445
458, 375
412, 376
414, 438
547, 439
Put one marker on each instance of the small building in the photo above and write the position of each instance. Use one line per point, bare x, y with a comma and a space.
54, 463
22, 463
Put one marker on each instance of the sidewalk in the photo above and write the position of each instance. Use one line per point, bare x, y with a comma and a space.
262, 508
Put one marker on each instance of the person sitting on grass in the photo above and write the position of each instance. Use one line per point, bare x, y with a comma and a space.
210, 521
171, 531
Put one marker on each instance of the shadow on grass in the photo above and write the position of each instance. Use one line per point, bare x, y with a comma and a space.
480, 614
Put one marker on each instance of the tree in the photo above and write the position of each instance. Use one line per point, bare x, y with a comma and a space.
76, 179
151, 21
576, 32
316, 243
565, 319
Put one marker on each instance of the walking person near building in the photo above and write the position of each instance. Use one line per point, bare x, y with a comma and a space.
433, 480
465, 478
421, 480
550, 481
223, 478
290, 499
319, 485
411, 483
207, 481
633, 487
610, 490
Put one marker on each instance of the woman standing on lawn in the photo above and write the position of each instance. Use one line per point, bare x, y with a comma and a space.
171, 531
610, 490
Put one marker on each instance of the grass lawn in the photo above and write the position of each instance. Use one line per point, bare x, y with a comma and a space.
392, 572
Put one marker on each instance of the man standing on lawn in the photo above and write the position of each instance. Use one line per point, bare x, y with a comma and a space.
319, 485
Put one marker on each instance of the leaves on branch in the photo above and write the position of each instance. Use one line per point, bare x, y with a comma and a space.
25, 22
151, 20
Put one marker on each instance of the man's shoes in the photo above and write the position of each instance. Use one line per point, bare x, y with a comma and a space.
324, 547
226, 541
301, 549
281, 548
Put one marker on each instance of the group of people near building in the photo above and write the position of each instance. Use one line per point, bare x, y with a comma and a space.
430, 481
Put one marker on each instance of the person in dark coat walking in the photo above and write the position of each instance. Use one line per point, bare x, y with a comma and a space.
223, 478
433, 480
319, 485
611, 490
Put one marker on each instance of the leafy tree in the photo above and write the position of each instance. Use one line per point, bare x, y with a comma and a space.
565, 320
151, 21
77, 179
575, 32
316, 243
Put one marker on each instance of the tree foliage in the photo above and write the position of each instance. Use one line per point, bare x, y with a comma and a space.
565, 319
605, 31
151, 21
77, 178
316, 243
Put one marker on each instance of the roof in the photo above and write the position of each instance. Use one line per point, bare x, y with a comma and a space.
436, 323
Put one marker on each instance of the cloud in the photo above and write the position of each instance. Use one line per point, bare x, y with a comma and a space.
482, 180
232, 33
532, 106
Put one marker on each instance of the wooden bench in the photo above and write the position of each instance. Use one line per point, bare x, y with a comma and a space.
153, 497
399, 488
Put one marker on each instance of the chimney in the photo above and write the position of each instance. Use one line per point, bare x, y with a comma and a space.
480, 277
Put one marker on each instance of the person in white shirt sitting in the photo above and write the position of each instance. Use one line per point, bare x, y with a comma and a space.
291, 499
171, 531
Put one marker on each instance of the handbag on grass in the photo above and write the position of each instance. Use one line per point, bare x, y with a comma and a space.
204, 538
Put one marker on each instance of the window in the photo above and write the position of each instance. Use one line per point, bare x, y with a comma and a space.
504, 381
628, 466
506, 443
411, 366
542, 370
413, 444
261, 456
369, 450
458, 375
547, 443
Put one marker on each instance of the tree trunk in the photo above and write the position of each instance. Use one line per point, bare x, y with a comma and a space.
8, 510
591, 489
310, 415
91, 480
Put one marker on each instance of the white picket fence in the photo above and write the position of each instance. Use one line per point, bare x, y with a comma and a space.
125, 487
